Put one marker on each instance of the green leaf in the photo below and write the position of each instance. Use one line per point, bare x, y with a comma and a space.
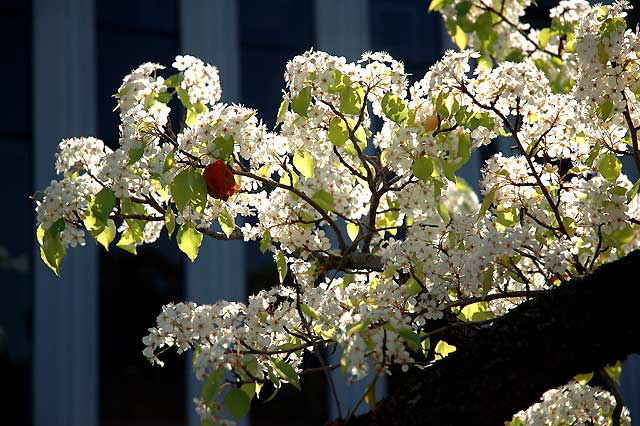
463, 8
444, 213
169, 163
323, 199
370, 396
184, 98
286, 372
249, 389
273, 395
265, 242
192, 117
128, 242
282, 110
338, 132
410, 336
226, 222
52, 249
353, 230
237, 403
460, 38
448, 170
583, 379
102, 204
443, 349
136, 153
223, 147
614, 371
544, 36
170, 221
464, 148
592, 155
300, 104
211, 387
310, 311
604, 109
106, 235
622, 235
507, 216
394, 108
286, 179
358, 327
305, 163
412, 286
174, 80
189, 240
633, 191
281, 264
181, 190
422, 168
610, 167
476, 312
515, 55
189, 188
438, 4
484, 26
352, 100
340, 82
164, 97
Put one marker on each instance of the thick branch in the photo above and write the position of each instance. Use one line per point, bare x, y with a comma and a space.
576, 328
355, 261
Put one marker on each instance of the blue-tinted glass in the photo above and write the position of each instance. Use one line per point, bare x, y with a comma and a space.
271, 33
408, 32
16, 237
133, 288
15, 72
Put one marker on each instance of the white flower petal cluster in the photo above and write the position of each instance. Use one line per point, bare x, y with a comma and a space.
201, 81
573, 404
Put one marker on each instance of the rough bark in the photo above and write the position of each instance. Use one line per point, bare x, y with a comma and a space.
577, 328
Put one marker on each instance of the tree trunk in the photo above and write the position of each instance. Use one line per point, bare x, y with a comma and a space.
576, 328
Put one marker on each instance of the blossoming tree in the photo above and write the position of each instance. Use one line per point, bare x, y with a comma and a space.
379, 246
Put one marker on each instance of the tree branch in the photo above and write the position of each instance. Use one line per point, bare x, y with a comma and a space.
539, 345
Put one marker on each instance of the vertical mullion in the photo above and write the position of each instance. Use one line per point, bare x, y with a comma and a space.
209, 31
65, 309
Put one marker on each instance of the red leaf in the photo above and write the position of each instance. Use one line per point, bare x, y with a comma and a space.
221, 183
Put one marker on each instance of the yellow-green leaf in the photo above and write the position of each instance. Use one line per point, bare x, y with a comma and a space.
300, 104
394, 108
422, 168
226, 222
610, 167
305, 163
352, 230
282, 110
170, 221
443, 349
107, 235
281, 264
189, 240
324, 199
237, 403
286, 372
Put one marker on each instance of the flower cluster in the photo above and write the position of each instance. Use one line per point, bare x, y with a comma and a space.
572, 404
